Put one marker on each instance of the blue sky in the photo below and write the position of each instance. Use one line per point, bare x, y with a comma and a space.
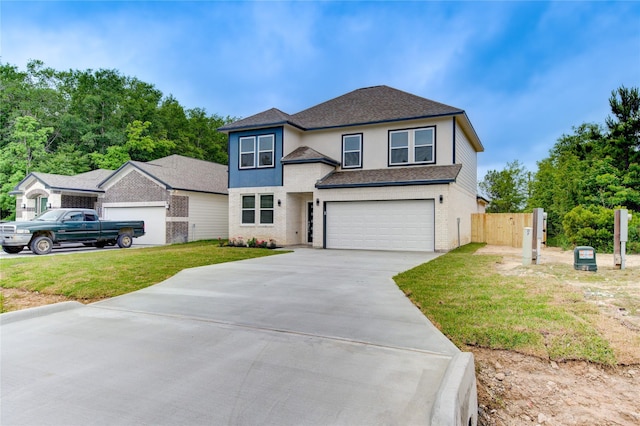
525, 72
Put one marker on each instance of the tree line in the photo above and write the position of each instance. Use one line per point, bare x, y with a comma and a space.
70, 122
586, 176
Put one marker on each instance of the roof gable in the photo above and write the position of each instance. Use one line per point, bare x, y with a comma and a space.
304, 154
179, 172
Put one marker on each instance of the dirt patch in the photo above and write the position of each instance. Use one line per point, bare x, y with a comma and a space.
14, 299
517, 389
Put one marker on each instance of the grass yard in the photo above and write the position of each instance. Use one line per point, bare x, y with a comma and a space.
474, 305
109, 273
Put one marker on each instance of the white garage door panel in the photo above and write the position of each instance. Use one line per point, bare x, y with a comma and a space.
154, 221
381, 225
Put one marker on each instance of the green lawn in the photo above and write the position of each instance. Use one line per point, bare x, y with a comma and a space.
108, 273
474, 305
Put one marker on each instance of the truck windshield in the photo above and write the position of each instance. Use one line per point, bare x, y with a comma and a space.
49, 216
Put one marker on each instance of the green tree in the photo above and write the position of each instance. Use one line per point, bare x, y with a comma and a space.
507, 189
624, 128
20, 157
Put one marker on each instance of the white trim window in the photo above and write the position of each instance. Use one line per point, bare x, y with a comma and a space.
266, 145
412, 146
352, 151
248, 209
260, 148
264, 211
248, 152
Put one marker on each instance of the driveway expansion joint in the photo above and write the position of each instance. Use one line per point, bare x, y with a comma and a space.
276, 330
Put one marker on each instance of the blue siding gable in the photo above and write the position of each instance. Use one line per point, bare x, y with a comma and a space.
255, 177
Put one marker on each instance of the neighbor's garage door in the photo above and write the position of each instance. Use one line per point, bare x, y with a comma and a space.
154, 221
381, 225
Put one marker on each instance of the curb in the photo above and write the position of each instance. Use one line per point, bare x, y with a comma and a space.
456, 402
39, 311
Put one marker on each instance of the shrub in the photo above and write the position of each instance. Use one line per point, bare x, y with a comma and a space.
590, 226
594, 226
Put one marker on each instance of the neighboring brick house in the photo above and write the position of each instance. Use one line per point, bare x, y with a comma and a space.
376, 168
179, 198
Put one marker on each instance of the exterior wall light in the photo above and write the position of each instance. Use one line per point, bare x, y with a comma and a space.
24, 206
441, 199
317, 201
279, 202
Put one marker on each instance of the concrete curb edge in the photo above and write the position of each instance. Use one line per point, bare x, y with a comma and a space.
456, 402
40, 311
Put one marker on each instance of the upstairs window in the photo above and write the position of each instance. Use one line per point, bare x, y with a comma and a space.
412, 146
257, 151
247, 152
265, 150
351, 151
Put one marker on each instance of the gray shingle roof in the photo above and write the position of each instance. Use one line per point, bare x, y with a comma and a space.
81, 182
363, 106
270, 117
175, 171
178, 172
304, 154
418, 175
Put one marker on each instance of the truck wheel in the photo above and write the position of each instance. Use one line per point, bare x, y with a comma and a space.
41, 245
12, 249
125, 241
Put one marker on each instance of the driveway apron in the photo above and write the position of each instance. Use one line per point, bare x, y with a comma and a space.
313, 337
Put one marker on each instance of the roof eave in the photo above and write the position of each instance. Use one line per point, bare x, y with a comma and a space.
391, 120
380, 184
471, 132
229, 129
313, 160
201, 191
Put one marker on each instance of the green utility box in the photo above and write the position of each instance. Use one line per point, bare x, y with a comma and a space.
584, 259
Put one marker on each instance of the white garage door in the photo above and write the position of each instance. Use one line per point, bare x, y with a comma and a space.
381, 225
154, 221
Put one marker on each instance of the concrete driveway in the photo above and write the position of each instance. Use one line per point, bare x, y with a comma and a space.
314, 337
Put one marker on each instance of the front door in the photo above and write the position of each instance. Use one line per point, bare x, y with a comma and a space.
310, 222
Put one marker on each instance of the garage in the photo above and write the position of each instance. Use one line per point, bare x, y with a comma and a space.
154, 221
380, 225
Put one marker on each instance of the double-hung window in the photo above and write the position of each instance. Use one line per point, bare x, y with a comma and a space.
248, 209
352, 151
257, 151
248, 152
265, 150
263, 210
412, 146
266, 208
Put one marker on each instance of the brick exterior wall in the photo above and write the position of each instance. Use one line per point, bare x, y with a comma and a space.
69, 201
178, 206
178, 230
134, 187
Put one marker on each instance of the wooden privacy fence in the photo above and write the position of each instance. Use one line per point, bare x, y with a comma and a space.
500, 229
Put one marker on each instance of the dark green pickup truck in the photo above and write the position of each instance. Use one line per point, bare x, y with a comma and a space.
59, 226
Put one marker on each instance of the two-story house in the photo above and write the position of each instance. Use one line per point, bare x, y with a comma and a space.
376, 168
